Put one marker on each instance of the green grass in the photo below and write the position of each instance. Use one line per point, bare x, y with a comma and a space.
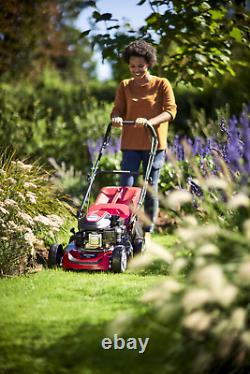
54, 321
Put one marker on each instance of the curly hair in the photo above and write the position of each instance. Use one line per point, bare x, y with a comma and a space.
140, 48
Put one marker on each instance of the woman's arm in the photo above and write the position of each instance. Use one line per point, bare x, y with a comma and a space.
163, 117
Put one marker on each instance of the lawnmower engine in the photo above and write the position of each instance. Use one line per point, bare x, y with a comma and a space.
101, 243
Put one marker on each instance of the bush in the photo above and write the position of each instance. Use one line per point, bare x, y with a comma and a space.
51, 120
31, 215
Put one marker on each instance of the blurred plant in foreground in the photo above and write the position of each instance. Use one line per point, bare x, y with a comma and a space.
200, 314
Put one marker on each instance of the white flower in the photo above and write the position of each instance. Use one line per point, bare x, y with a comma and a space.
162, 291
31, 196
42, 219
9, 202
26, 218
23, 229
11, 225
190, 220
212, 278
22, 166
197, 233
29, 237
53, 221
215, 182
208, 249
238, 319
3, 210
57, 221
198, 321
178, 265
178, 198
196, 298
239, 200
159, 251
11, 180
20, 195
245, 337
244, 272
29, 185
141, 261
246, 226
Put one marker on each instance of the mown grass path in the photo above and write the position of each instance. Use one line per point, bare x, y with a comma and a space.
54, 321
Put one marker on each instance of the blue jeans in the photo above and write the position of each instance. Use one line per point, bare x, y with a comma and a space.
131, 161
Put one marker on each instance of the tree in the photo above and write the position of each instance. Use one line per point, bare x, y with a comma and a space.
195, 39
37, 33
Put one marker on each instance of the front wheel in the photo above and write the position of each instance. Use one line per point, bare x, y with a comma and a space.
119, 259
55, 256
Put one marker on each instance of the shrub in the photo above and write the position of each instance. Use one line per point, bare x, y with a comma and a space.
31, 215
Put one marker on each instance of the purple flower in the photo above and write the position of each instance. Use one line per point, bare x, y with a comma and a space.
94, 147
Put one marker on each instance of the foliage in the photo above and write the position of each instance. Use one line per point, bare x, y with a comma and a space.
194, 39
228, 149
53, 40
203, 303
51, 119
31, 215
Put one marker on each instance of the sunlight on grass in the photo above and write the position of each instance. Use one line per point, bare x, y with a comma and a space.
66, 313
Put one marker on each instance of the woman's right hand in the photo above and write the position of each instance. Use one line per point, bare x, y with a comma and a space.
117, 121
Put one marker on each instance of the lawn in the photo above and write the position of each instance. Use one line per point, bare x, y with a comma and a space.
54, 321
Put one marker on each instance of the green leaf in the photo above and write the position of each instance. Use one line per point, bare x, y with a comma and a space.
236, 34
105, 17
84, 33
91, 3
216, 14
153, 18
141, 2
96, 15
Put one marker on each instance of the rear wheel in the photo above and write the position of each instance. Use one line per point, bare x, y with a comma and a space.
139, 246
55, 256
119, 259
138, 239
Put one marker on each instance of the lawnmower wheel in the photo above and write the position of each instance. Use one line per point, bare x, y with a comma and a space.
119, 259
139, 246
55, 255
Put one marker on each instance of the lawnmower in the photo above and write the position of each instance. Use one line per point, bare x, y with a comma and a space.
109, 232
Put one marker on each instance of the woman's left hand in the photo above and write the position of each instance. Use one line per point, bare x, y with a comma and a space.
140, 122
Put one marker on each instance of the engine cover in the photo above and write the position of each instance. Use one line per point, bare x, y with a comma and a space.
94, 221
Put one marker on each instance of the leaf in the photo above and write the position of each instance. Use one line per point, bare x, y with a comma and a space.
236, 34
141, 2
91, 3
84, 33
96, 15
113, 27
216, 14
153, 18
231, 71
105, 17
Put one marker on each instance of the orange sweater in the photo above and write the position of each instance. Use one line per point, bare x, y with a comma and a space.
146, 101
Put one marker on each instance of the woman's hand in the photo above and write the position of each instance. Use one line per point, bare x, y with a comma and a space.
117, 121
140, 122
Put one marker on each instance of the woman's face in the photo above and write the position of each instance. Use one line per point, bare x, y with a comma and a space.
138, 67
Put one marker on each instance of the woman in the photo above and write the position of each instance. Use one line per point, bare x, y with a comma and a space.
143, 98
